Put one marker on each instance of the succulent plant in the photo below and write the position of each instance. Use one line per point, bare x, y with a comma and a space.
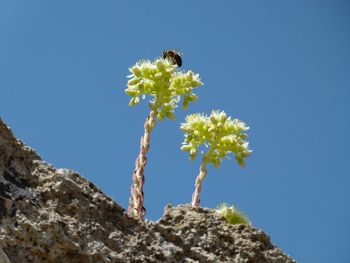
221, 135
232, 214
165, 84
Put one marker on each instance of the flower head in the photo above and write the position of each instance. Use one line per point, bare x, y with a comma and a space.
165, 83
219, 133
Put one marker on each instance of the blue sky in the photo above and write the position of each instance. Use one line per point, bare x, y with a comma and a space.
281, 66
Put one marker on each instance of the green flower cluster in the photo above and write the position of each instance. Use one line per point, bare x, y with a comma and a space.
163, 81
232, 214
219, 133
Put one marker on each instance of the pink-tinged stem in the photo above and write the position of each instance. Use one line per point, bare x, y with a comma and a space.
196, 193
136, 208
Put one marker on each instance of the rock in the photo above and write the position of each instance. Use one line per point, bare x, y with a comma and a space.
3, 257
56, 215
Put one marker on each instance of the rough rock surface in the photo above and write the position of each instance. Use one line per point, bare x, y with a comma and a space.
56, 215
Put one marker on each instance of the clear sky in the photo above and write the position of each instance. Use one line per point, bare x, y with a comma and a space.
283, 67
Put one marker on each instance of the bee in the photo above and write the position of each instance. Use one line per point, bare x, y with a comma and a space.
173, 55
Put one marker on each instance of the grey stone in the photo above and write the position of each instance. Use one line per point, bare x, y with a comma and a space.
50, 215
3, 257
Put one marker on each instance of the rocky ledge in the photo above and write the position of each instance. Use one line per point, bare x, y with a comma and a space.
56, 215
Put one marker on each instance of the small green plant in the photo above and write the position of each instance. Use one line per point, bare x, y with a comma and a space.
220, 135
162, 80
232, 214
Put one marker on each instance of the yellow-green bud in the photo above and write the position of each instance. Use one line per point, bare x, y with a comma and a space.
133, 81
186, 148
170, 115
136, 70
131, 92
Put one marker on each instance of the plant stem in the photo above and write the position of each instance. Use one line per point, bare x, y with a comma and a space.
136, 208
200, 177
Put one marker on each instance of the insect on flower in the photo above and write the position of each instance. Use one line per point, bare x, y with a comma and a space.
174, 56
